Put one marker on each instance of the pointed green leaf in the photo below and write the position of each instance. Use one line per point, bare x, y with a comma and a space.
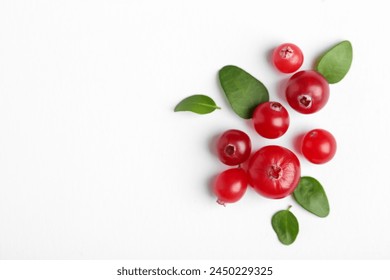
311, 195
243, 91
286, 226
200, 104
335, 63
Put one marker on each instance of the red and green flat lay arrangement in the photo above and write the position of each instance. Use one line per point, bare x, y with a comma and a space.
274, 171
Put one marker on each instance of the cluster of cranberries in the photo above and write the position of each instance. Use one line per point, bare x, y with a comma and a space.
274, 171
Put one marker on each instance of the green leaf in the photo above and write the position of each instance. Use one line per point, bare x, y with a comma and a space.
335, 63
286, 226
243, 91
200, 104
311, 195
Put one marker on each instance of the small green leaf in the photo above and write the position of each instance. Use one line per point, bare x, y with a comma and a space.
286, 226
311, 195
243, 91
200, 104
335, 63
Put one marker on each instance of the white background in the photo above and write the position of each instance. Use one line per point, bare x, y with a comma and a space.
94, 163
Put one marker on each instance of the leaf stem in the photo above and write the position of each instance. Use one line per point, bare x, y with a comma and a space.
288, 208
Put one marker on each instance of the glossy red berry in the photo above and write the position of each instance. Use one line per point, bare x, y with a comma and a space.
319, 146
230, 185
274, 171
271, 119
287, 58
307, 91
233, 147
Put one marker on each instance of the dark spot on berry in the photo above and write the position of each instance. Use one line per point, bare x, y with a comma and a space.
305, 101
286, 52
229, 150
275, 172
276, 106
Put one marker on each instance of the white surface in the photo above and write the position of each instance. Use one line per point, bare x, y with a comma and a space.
94, 163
